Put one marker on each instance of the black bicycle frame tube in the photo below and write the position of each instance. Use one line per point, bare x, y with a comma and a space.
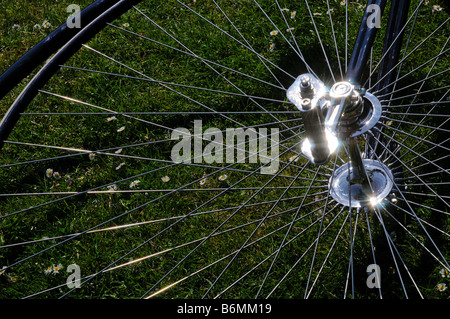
392, 44
358, 61
48, 70
363, 44
391, 52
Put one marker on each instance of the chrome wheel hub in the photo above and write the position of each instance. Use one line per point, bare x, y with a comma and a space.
336, 115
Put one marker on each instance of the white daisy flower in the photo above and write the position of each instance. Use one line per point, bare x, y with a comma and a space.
285, 9
293, 158
134, 183
37, 27
441, 287
46, 24
272, 47
165, 179
118, 151
91, 156
111, 118
119, 166
112, 188
317, 13
444, 273
293, 13
121, 129
437, 8
223, 177
49, 172
16, 27
203, 181
56, 175
56, 269
48, 271
126, 24
343, 2
274, 32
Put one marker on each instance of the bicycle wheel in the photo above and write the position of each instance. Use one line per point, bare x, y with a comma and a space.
160, 154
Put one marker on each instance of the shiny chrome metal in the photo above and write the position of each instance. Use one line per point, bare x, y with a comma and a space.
361, 114
307, 93
316, 91
340, 95
352, 194
341, 114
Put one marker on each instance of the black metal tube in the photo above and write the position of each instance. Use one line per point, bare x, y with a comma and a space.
392, 44
359, 175
363, 45
391, 52
358, 171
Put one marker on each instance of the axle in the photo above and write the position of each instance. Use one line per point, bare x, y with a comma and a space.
336, 115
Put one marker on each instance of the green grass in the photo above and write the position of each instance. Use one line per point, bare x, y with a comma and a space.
93, 252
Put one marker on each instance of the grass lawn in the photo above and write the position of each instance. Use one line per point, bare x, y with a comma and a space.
151, 62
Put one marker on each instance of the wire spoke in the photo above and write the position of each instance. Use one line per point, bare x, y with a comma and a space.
171, 225
286, 235
228, 228
257, 227
418, 219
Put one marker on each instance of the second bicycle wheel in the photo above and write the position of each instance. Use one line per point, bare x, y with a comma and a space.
164, 160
